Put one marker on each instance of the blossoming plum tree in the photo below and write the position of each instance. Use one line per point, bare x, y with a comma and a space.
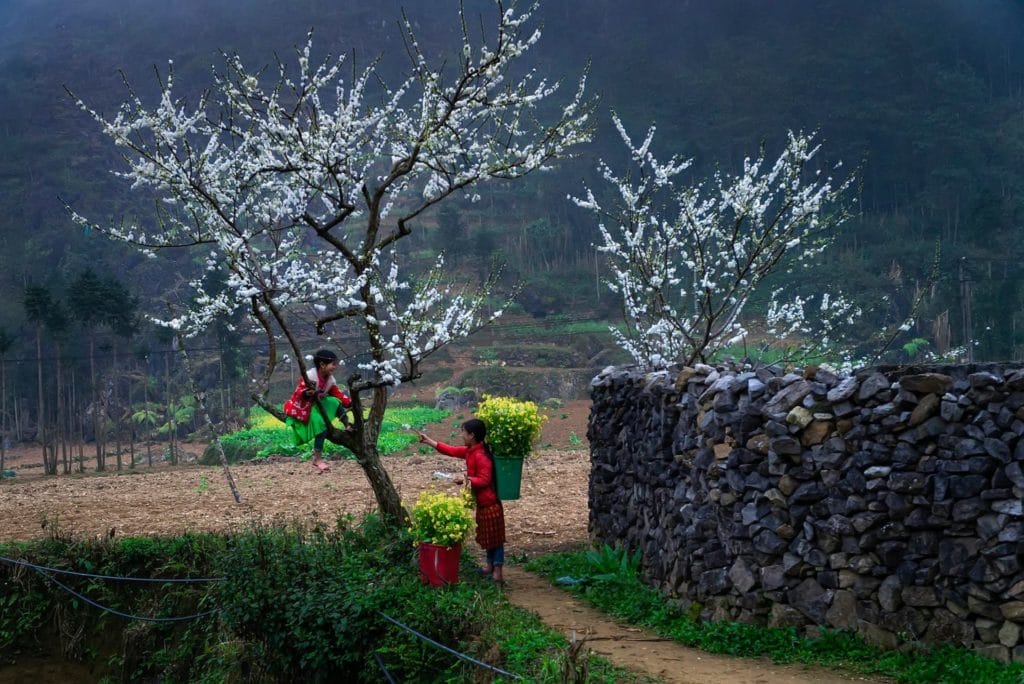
300, 192
686, 259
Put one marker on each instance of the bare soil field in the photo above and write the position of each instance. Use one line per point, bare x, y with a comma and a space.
165, 499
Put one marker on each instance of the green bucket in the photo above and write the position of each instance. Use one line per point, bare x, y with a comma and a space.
508, 473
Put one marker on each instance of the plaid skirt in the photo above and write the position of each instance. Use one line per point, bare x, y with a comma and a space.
490, 526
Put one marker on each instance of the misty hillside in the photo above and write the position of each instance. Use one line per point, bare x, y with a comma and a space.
924, 98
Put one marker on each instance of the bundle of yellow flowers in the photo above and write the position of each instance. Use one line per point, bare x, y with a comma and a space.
513, 426
442, 519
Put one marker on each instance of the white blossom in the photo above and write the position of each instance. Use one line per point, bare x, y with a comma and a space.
685, 259
265, 176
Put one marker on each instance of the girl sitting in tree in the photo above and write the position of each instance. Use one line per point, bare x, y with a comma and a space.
305, 419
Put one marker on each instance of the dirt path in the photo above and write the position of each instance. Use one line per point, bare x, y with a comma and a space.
645, 652
551, 515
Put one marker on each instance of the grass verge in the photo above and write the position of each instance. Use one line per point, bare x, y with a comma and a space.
608, 580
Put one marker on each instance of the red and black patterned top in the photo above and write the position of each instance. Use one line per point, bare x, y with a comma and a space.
299, 406
479, 471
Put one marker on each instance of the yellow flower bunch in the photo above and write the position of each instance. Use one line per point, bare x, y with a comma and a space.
441, 519
513, 426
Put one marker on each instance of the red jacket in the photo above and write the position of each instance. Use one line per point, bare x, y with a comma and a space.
299, 406
479, 471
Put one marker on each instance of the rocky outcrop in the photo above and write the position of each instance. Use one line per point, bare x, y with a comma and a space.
888, 502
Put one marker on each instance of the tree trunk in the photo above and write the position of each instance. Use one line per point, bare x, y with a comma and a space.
362, 441
3, 415
100, 465
19, 414
80, 422
115, 396
145, 403
60, 434
131, 428
383, 488
171, 423
41, 418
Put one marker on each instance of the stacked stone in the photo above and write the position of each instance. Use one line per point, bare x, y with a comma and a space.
888, 502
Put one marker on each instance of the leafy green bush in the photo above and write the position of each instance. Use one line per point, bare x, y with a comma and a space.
295, 604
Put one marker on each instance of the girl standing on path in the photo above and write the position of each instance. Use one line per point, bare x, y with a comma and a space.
306, 421
490, 516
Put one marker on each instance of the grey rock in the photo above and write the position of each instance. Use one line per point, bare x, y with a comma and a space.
948, 627
741, 576
920, 597
1012, 507
872, 385
713, 582
846, 388
983, 380
987, 609
889, 594
950, 411
966, 486
773, 577
808, 493
810, 598
997, 449
873, 634
1012, 610
842, 614
877, 471
782, 402
785, 616
769, 543
907, 482
968, 509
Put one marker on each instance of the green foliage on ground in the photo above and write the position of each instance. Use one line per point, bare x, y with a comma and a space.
268, 436
609, 579
294, 604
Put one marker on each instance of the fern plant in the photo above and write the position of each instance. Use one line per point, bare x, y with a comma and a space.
608, 564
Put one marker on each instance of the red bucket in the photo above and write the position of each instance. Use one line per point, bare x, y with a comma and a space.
439, 565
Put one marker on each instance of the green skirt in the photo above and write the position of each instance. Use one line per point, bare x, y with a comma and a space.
306, 432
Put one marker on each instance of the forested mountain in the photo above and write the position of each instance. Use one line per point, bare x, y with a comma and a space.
923, 98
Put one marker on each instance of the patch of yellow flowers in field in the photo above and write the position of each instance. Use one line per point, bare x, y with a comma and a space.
513, 426
442, 519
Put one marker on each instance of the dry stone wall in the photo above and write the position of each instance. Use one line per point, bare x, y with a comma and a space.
888, 502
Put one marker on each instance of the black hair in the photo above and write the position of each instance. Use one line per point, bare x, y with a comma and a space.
478, 429
324, 356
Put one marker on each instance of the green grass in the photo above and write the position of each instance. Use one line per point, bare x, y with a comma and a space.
607, 579
268, 436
